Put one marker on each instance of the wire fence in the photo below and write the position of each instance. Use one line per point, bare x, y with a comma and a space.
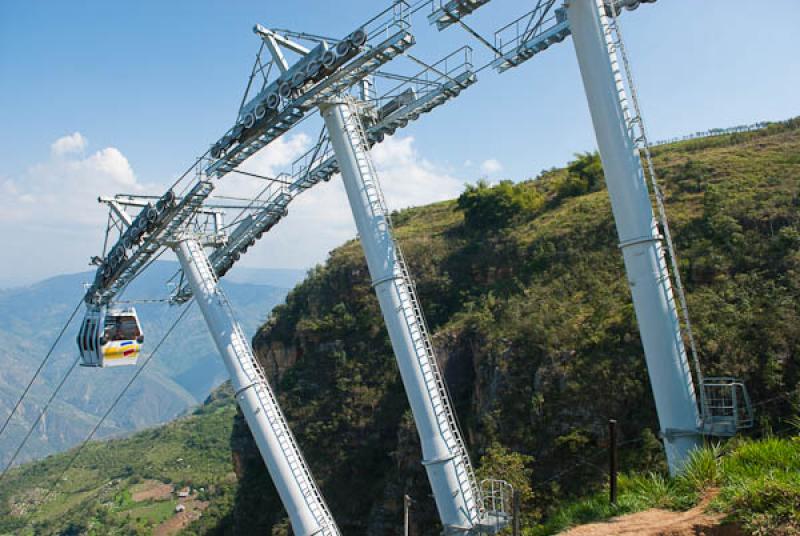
712, 133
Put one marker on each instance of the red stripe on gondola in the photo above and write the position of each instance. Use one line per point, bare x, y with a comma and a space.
128, 352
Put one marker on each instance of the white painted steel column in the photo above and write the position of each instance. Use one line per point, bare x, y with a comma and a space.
639, 237
307, 512
379, 248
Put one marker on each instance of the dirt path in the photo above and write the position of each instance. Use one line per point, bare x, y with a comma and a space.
694, 522
152, 490
173, 525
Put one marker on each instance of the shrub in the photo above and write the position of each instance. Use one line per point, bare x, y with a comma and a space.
584, 175
496, 207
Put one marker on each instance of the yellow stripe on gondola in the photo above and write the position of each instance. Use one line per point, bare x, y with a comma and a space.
118, 352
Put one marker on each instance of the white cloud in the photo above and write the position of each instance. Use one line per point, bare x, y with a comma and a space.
52, 211
272, 160
491, 167
73, 143
56, 223
63, 190
408, 178
320, 219
279, 155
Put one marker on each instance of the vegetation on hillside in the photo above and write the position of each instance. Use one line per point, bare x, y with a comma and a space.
96, 495
186, 369
757, 486
524, 289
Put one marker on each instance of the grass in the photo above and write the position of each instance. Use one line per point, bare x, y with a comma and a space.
155, 512
97, 489
758, 482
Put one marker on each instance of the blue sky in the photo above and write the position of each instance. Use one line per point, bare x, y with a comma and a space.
135, 90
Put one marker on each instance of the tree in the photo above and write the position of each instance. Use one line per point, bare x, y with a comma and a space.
496, 207
584, 175
501, 463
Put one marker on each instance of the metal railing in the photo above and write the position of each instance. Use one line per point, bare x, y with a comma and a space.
727, 406
447, 12
530, 34
527, 27
390, 21
433, 77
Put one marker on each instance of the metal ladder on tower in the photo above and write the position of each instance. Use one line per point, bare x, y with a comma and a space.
725, 405
269, 404
404, 287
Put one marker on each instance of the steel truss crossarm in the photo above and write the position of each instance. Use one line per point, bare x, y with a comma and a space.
308, 513
445, 457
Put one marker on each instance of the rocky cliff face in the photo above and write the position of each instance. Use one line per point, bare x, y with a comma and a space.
535, 332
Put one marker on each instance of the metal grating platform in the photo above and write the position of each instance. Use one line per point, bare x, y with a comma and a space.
452, 11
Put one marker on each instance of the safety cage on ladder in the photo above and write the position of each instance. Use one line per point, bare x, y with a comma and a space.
110, 337
497, 501
726, 406
724, 402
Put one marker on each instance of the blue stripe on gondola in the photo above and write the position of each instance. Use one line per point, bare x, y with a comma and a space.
126, 343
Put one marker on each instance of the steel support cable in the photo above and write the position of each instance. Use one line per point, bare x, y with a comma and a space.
257, 67
147, 265
133, 378
418, 6
479, 37
262, 177
41, 366
426, 66
39, 418
530, 29
583, 462
253, 202
662, 212
317, 149
227, 159
783, 396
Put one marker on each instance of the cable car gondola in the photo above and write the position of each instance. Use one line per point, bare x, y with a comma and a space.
110, 337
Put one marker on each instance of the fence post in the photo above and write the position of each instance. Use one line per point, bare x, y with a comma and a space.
406, 508
612, 460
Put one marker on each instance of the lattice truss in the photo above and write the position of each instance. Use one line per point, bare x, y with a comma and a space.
292, 75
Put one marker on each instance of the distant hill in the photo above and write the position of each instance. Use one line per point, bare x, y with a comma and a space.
182, 374
130, 486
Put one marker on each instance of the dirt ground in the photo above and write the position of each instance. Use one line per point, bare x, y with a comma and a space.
695, 522
152, 490
173, 525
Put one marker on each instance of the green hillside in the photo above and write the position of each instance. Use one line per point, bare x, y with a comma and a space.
128, 486
753, 484
182, 375
525, 292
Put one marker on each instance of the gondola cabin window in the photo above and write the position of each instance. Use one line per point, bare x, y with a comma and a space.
121, 328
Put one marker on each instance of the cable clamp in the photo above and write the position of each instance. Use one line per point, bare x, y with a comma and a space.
245, 388
376, 282
437, 461
640, 240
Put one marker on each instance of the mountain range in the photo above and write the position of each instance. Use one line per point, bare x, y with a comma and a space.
181, 375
